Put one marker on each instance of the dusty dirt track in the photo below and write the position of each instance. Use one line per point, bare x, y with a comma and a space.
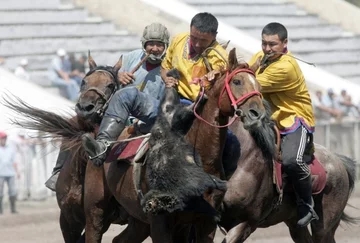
38, 222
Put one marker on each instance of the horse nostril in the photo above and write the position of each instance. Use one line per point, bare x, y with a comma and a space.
254, 114
89, 107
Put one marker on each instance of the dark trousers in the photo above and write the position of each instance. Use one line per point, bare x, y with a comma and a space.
297, 151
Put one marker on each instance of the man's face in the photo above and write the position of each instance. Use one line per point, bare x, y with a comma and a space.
271, 44
155, 47
318, 94
200, 41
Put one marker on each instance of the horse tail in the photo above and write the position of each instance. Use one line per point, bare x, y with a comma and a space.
55, 126
350, 166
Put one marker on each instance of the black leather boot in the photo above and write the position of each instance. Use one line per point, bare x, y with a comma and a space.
63, 156
12, 200
305, 202
110, 129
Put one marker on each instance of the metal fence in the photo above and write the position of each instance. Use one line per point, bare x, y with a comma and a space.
341, 137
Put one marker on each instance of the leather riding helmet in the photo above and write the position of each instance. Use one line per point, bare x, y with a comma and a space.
155, 32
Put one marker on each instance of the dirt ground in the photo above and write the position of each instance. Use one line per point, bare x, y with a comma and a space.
37, 221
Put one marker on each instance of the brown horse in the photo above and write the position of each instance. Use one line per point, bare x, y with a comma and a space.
97, 88
251, 199
233, 93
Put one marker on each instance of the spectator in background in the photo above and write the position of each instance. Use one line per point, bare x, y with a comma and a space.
8, 171
77, 68
346, 105
322, 112
332, 104
80, 64
59, 75
2, 61
21, 70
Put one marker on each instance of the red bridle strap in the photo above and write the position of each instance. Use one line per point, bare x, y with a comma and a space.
227, 88
202, 93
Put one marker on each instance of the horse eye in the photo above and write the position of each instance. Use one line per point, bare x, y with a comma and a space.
83, 82
237, 82
111, 86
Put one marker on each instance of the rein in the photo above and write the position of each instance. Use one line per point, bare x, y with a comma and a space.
235, 103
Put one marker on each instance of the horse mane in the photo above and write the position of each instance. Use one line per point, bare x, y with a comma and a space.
264, 135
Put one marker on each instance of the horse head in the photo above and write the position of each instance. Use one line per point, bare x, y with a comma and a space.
239, 93
96, 90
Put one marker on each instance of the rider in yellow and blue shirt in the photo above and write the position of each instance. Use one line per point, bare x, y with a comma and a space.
284, 87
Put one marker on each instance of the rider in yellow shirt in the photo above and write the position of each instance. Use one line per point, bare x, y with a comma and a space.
284, 87
131, 101
183, 55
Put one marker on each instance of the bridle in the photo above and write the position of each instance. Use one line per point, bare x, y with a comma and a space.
101, 93
235, 103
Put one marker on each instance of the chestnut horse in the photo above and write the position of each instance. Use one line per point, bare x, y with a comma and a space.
251, 197
97, 88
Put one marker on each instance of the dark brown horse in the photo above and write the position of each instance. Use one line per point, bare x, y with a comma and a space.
251, 197
97, 88
239, 84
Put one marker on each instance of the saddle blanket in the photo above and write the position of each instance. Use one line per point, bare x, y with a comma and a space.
132, 150
318, 174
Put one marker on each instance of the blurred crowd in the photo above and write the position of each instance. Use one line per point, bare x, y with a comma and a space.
65, 72
332, 107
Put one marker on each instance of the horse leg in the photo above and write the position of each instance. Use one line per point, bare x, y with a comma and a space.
323, 230
135, 232
94, 225
160, 229
299, 235
319, 236
239, 233
205, 230
71, 232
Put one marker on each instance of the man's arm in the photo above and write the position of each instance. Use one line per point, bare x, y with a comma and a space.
278, 78
166, 66
169, 81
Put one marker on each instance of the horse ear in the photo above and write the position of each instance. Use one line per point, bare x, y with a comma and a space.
256, 65
233, 63
118, 65
225, 44
92, 63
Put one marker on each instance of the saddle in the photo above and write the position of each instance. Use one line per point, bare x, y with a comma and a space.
131, 151
318, 172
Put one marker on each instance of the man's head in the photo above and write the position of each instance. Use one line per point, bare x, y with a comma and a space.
24, 62
331, 93
3, 137
318, 94
274, 39
82, 59
61, 53
155, 41
203, 31
343, 93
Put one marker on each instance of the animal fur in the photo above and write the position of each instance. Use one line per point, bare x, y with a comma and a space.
176, 177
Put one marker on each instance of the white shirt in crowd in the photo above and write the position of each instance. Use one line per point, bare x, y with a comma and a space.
22, 73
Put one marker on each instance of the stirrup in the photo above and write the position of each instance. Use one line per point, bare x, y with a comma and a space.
107, 145
314, 215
